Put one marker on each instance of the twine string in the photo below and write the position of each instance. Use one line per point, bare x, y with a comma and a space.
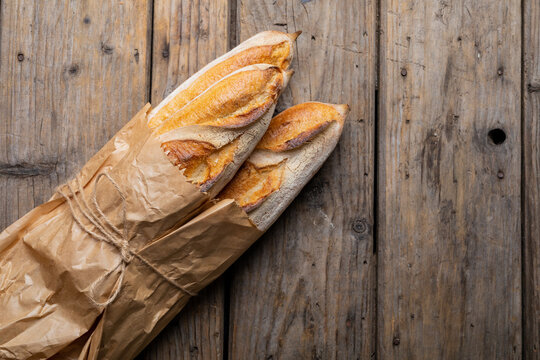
108, 233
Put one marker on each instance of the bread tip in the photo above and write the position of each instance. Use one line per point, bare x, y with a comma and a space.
343, 110
287, 76
294, 35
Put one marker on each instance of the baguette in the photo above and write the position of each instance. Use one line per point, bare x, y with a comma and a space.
293, 149
267, 47
210, 137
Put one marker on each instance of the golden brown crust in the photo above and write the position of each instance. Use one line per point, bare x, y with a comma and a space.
183, 152
277, 54
297, 125
252, 185
265, 173
235, 101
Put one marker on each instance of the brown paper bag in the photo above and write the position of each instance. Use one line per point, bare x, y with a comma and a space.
100, 269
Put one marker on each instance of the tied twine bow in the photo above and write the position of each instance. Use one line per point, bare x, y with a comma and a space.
114, 237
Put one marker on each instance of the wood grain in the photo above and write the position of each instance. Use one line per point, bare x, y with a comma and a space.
196, 333
531, 177
72, 74
449, 283
187, 36
306, 288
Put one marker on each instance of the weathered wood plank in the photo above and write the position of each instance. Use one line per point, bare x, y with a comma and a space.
187, 36
71, 74
306, 289
449, 265
197, 333
531, 177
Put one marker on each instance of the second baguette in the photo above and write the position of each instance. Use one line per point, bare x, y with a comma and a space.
295, 146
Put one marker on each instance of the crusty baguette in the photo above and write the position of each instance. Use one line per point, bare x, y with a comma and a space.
267, 47
210, 137
293, 149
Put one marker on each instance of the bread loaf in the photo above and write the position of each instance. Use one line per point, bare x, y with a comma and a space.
211, 136
268, 47
292, 150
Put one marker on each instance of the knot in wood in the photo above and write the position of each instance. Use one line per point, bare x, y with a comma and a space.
360, 226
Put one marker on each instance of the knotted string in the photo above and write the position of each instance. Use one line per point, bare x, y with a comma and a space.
114, 237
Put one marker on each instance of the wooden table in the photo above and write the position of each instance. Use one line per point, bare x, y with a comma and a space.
419, 238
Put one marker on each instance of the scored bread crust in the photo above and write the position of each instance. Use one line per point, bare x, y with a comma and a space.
234, 101
211, 137
293, 149
253, 184
268, 47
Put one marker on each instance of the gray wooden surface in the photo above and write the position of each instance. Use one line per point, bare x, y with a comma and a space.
449, 256
419, 238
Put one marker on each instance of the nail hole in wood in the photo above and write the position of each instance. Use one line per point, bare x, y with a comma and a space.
497, 136
500, 71
403, 72
20, 57
73, 69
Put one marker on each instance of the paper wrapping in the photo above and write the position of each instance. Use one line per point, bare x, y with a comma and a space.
57, 279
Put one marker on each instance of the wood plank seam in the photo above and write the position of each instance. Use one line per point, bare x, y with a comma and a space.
150, 52
233, 42
376, 169
522, 185
531, 178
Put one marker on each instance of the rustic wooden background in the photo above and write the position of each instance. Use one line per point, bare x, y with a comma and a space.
419, 238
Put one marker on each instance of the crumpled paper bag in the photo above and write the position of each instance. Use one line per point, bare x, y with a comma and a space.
100, 269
